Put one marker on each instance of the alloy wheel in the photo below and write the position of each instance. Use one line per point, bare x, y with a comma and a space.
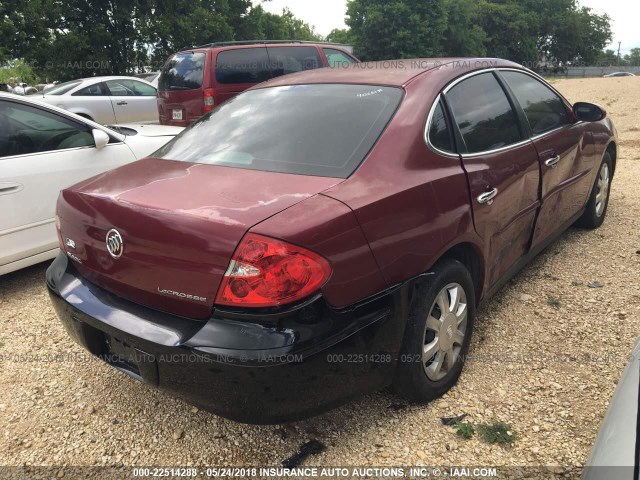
602, 193
445, 331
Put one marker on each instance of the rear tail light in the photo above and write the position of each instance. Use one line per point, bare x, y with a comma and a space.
265, 272
209, 101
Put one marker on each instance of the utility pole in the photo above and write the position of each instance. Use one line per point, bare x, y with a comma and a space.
619, 59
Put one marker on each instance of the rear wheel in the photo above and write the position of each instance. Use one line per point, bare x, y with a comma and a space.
598, 202
437, 334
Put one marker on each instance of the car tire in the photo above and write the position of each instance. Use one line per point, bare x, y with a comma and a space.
424, 370
598, 202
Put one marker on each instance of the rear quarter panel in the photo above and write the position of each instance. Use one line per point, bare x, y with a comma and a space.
412, 204
330, 228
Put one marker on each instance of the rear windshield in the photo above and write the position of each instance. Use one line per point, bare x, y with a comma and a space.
319, 130
63, 88
183, 71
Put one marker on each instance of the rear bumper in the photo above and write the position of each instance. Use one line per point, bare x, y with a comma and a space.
282, 366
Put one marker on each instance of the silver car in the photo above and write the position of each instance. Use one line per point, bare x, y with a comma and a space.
615, 452
106, 100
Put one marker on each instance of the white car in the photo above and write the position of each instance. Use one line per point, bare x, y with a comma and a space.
44, 149
106, 100
619, 74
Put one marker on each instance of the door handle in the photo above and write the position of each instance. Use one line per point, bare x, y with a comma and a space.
6, 188
487, 197
552, 162
122, 103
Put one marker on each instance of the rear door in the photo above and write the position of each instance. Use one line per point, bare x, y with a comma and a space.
238, 69
132, 100
93, 101
502, 169
180, 88
41, 153
564, 164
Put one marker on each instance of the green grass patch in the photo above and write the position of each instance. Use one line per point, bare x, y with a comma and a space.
553, 301
465, 430
497, 433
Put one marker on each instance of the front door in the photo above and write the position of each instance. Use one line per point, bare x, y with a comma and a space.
502, 170
41, 153
565, 161
133, 101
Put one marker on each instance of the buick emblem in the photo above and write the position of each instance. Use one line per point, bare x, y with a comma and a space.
115, 244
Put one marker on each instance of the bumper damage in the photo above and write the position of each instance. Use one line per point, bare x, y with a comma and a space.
266, 367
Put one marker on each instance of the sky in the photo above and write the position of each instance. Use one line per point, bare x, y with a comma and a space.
326, 15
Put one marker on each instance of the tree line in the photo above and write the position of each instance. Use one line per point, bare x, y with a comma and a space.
539, 33
75, 38
69, 39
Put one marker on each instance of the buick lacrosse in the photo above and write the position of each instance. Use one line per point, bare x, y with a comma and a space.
328, 233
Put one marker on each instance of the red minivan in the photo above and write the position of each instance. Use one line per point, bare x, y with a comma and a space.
192, 82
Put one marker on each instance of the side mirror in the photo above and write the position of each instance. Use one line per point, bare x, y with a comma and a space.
588, 112
100, 138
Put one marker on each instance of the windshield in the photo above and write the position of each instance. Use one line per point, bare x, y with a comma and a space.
63, 88
183, 71
320, 130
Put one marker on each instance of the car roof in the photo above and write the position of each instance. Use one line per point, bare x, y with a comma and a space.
395, 73
262, 44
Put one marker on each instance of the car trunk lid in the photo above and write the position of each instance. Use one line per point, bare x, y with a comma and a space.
179, 222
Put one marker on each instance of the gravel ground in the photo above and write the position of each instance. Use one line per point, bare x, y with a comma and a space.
562, 347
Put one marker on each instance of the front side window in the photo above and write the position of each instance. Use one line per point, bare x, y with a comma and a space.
439, 134
183, 71
25, 129
243, 65
322, 130
130, 88
336, 58
543, 108
483, 114
284, 60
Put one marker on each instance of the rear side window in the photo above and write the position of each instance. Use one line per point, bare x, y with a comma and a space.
321, 130
96, 90
439, 135
336, 58
483, 114
544, 109
244, 65
183, 71
284, 60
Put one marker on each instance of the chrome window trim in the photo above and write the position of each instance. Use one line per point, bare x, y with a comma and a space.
496, 150
501, 149
436, 102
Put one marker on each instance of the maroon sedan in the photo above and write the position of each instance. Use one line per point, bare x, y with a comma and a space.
327, 233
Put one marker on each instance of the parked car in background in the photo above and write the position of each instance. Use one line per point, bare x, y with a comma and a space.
615, 451
619, 74
194, 81
106, 99
151, 77
327, 233
44, 149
